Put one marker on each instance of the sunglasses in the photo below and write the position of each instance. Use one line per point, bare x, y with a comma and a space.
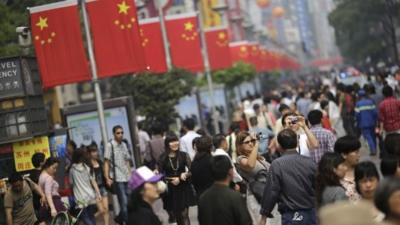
119, 133
253, 141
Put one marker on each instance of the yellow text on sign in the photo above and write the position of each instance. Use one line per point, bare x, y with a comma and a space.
24, 150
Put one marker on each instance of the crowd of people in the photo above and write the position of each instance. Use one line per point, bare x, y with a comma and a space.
292, 157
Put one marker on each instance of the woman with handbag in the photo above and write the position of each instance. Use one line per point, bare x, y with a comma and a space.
175, 167
50, 188
253, 168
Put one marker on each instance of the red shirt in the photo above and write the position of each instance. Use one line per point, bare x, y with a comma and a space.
389, 114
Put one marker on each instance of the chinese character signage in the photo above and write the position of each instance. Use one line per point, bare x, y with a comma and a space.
10, 78
24, 150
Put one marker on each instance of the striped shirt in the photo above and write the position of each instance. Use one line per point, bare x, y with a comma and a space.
290, 182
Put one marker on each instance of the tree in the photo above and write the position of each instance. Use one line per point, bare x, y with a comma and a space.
155, 95
14, 13
234, 76
365, 29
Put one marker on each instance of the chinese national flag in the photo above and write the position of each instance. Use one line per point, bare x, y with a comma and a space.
240, 52
218, 48
153, 45
184, 42
116, 37
58, 43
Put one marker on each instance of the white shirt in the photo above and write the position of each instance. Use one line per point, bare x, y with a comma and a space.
187, 143
236, 177
303, 147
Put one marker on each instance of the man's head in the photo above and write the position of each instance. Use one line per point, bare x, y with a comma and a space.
387, 91
38, 160
118, 132
221, 168
219, 141
16, 182
287, 139
314, 117
253, 121
284, 109
392, 144
157, 128
349, 147
189, 124
256, 108
289, 120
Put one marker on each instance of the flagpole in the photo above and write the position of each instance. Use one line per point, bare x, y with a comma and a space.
207, 68
164, 35
95, 80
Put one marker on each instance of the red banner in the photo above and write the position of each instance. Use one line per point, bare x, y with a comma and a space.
184, 42
153, 45
116, 37
58, 43
240, 52
218, 48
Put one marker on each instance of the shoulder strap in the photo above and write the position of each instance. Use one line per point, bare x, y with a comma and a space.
113, 160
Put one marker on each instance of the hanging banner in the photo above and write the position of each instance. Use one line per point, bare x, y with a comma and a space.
24, 150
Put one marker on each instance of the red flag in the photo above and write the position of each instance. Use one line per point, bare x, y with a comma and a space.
184, 42
255, 56
116, 37
218, 48
240, 52
58, 43
153, 45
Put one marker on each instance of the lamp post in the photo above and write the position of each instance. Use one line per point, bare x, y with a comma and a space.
207, 68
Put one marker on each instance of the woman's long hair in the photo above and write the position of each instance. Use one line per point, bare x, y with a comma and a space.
326, 175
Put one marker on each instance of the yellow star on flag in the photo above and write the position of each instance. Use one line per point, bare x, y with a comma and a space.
42, 23
221, 35
243, 49
188, 26
123, 8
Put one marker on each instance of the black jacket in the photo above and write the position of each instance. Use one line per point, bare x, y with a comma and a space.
143, 215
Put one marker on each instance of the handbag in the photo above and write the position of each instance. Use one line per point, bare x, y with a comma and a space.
256, 184
113, 188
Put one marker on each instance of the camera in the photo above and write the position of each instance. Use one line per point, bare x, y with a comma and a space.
261, 136
294, 120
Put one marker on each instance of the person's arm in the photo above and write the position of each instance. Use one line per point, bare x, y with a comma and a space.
250, 162
312, 141
9, 216
107, 165
38, 191
187, 174
49, 196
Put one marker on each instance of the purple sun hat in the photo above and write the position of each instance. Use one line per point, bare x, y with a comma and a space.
142, 175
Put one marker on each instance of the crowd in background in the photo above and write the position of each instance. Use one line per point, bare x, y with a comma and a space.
289, 156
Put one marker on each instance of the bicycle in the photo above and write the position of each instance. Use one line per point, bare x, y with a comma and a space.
66, 217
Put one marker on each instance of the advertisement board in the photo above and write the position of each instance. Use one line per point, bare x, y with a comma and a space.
24, 150
85, 127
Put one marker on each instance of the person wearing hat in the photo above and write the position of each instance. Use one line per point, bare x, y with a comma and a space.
367, 118
146, 189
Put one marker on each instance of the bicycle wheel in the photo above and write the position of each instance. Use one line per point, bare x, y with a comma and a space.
61, 219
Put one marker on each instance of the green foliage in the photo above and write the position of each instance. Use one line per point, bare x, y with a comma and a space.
361, 29
12, 15
155, 95
237, 74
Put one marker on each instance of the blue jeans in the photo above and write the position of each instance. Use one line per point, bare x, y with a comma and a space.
122, 195
370, 137
87, 215
299, 217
